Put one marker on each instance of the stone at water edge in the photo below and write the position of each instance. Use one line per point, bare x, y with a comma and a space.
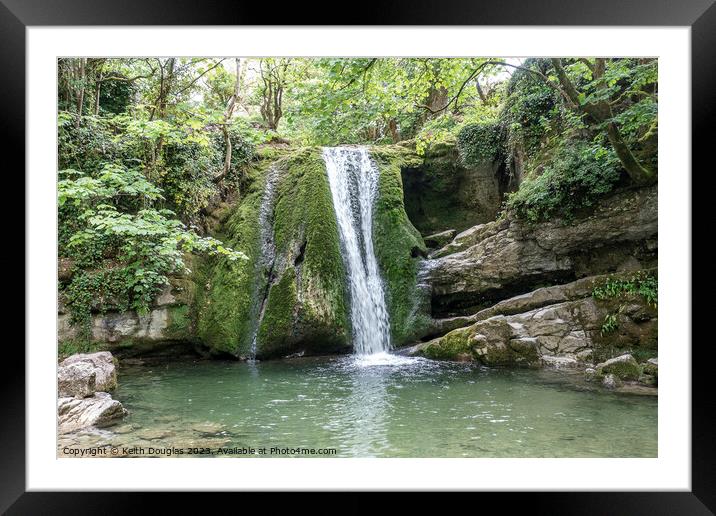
76, 380
80, 377
99, 410
611, 382
102, 363
623, 367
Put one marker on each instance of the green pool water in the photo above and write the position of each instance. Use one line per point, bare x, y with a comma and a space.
389, 407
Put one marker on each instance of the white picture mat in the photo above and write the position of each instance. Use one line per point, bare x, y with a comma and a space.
671, 470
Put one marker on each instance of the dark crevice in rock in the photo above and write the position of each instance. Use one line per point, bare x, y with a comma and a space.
466, 303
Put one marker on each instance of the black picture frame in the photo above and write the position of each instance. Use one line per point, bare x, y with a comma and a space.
699, 15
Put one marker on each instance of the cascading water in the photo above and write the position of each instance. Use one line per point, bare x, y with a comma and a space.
267, 257
353, 179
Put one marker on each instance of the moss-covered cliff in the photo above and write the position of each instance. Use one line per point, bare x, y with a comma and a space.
398, 246
301, 287
296, 300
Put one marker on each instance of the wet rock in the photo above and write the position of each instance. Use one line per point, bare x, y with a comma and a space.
207, 428
559, 362
154, 434
98, 410
651, 368
492, 342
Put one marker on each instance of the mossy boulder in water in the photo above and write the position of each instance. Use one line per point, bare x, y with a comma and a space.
291, 298
291, 294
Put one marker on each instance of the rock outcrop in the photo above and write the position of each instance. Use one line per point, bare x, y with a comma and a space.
496, 260
167, 326
98, 410
83, 374
441, 193
82, 382
559, 326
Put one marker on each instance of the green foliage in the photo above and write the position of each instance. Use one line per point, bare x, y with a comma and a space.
479, 143
530, 109
577, 176
641, 283
116, 94
123, 250
73, 346
611, 323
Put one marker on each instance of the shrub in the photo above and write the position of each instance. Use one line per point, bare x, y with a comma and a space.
479, 143
578, 175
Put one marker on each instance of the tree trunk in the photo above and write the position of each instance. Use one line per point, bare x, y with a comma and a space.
81, 92
98, 90
394, 133
601, 112
227, 119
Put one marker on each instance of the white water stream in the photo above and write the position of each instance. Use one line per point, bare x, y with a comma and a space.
353, 179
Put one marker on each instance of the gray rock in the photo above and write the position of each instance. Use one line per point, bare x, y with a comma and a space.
77, 380
98, 410
80, 367
559, 362
611, 382
507, 255
624, 367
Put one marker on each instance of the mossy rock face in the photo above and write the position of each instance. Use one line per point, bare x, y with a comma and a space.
224, 304
399, 249
295, 301
441, 193
453, 346
179, 324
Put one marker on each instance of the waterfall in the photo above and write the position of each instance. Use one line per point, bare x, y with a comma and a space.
267, 256
353, 179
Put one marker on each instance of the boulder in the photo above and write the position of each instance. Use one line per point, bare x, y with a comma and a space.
492, 342
553, 362
76, 380
623, 367
563, 323
98, 410
83, 374
496, 260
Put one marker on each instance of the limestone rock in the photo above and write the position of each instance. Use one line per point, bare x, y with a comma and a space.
563, 323
81, 368
559, 362
495, 260
76, 380
98, 410
611, 381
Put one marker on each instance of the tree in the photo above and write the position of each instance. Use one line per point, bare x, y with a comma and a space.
596, 100
273, 75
